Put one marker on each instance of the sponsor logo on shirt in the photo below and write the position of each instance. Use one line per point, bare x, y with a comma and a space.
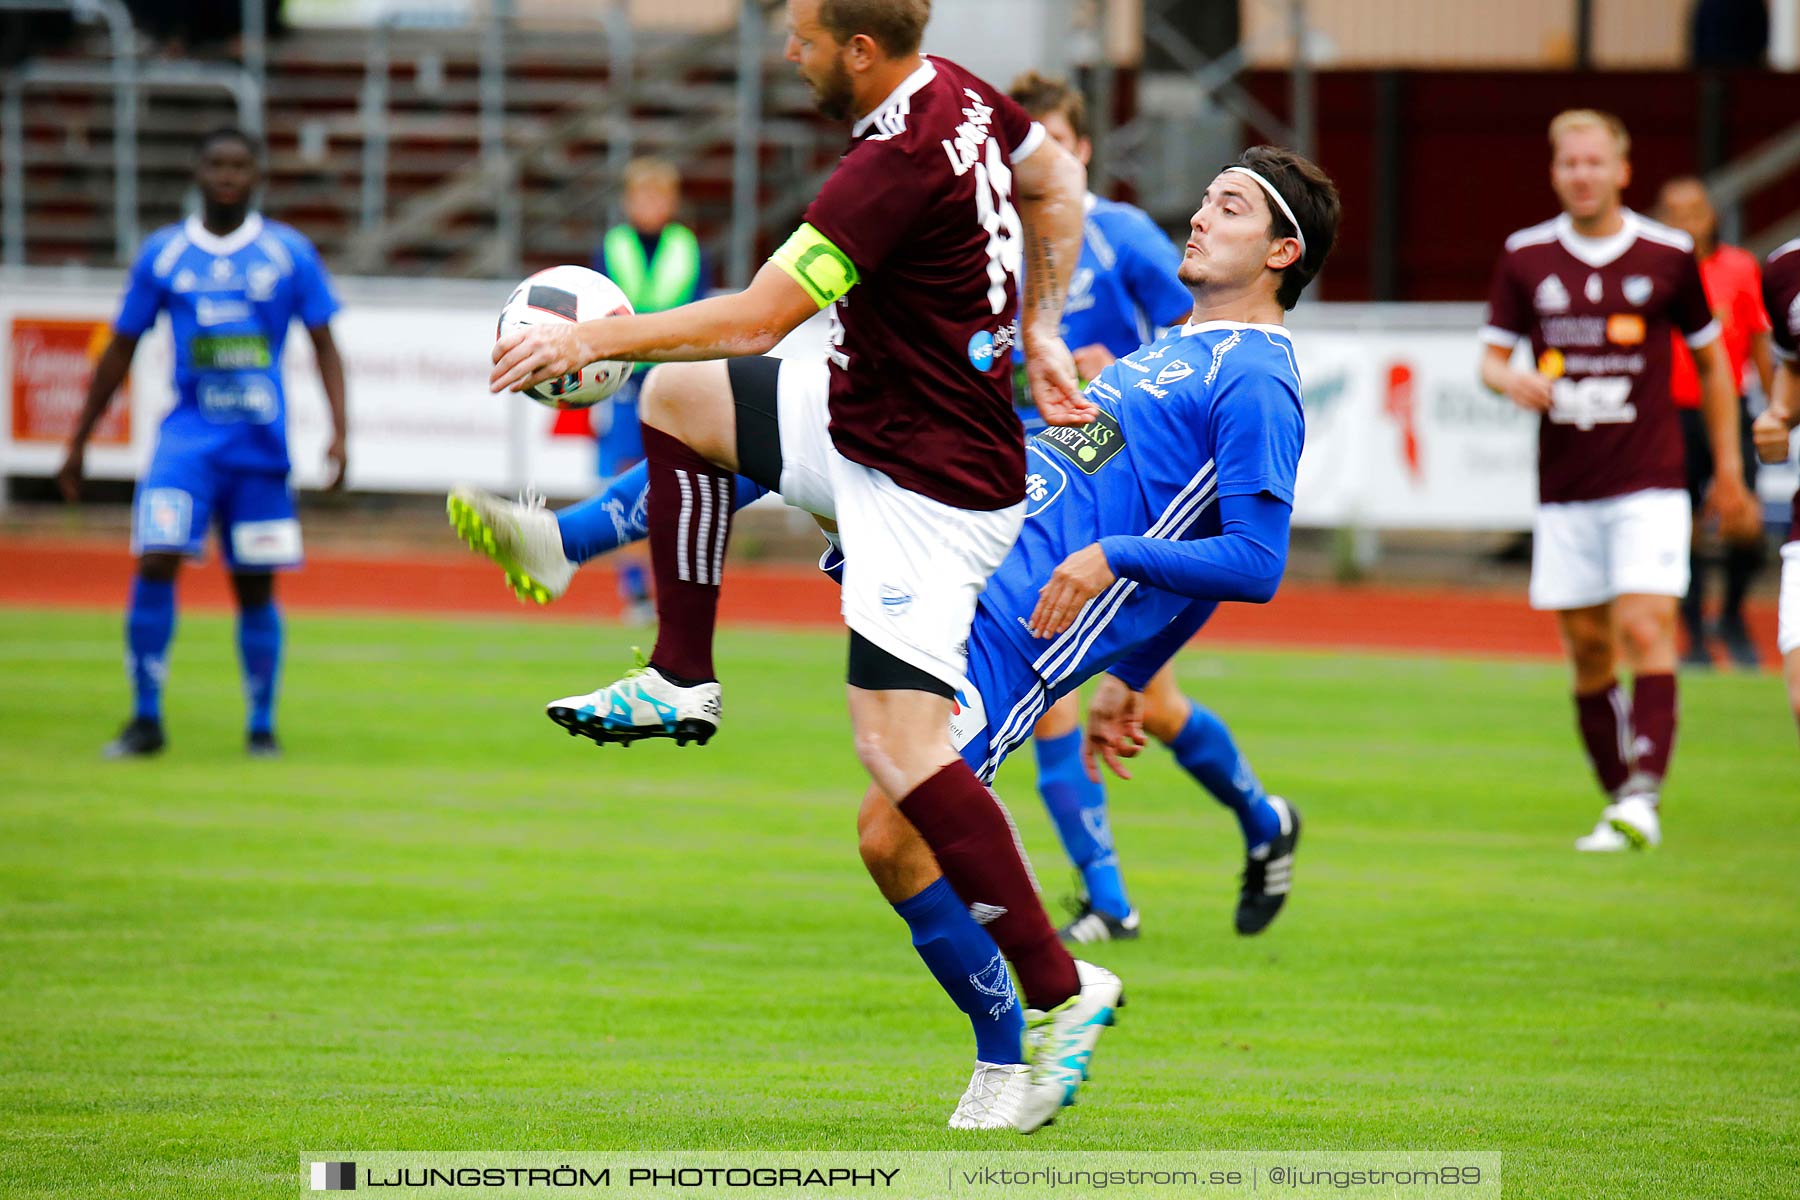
1575, 331
981, 350
210, 311
1596, 400
1625, 329
1552, 296
1044, 482
230, 352
1090, 446
1551, 365
1636, 288
1144, 385
971, 135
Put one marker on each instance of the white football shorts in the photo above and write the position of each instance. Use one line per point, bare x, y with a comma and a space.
1591, 552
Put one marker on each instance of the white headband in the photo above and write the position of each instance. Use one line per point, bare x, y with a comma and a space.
1279, 203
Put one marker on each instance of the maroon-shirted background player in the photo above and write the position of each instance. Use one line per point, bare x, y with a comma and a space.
1599, 291
907, 440
1781, 296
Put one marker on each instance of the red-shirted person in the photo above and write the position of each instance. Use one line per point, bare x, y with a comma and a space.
1598, 292
1734, 288
1781, 299
906, 438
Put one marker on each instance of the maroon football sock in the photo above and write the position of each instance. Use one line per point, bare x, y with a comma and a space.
1606, 732
1653, 721
975, 845
689, 513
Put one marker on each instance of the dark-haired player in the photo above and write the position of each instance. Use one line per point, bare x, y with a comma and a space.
1175, 499
1126, 291
231, 282
1781, 297
1598, 292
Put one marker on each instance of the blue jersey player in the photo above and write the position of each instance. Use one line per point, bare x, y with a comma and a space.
1175, 499
230, 282
1124, 291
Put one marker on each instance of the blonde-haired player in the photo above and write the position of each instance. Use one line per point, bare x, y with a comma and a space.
1598, 291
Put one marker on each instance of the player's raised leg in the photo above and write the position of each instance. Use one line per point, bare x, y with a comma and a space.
690, 433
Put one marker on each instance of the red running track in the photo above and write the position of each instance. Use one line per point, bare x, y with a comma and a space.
62, 574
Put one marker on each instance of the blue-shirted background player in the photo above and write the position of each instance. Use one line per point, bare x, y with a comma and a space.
231, 282
1125, 291
1176, 498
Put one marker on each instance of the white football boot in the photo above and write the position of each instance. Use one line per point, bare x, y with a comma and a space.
644, 704
1634, 819
522, 538
1061, 1042
1604, 839
994, 1098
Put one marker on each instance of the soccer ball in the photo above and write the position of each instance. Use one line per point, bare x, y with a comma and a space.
570, 294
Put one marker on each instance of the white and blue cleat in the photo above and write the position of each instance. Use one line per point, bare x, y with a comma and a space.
644, 704
1060, 1044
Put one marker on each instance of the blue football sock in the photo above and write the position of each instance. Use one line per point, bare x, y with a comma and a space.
619, 514
149, 627
259, 650
1077, 805
1205, 750
967, 965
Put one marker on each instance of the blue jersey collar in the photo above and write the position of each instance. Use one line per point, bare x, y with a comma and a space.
1190, 329
231, 243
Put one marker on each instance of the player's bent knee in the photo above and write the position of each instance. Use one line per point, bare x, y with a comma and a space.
672, 391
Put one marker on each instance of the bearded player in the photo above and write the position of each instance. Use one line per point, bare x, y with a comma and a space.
906, 438
1175, 499
1597, 292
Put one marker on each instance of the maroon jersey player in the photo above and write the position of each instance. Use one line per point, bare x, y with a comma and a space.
1781, 296
906, 439
1598, 293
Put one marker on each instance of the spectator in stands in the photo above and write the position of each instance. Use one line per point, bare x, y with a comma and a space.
1733, 284
657, 262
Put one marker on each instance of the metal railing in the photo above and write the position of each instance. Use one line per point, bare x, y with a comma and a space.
128, 77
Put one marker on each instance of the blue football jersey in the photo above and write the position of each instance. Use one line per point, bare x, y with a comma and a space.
1124, 287
230, 300
1205, 411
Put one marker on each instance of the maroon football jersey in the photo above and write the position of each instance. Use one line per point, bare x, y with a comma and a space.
1781, 296
921, 363
1599, 313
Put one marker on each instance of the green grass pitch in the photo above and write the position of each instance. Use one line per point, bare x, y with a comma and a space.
439, 923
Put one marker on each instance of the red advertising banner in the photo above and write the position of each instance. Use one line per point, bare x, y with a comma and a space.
52, 361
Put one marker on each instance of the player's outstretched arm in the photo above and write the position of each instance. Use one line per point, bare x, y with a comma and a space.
331, 378
1527, 389
1052, 190
744, 323
109, 373
1730, 497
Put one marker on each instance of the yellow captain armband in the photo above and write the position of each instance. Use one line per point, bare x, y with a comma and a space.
815, 264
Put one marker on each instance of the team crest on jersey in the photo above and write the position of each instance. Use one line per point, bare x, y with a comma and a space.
1175, 372
1637, 288
1595, 289
262, 279
1552, 296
